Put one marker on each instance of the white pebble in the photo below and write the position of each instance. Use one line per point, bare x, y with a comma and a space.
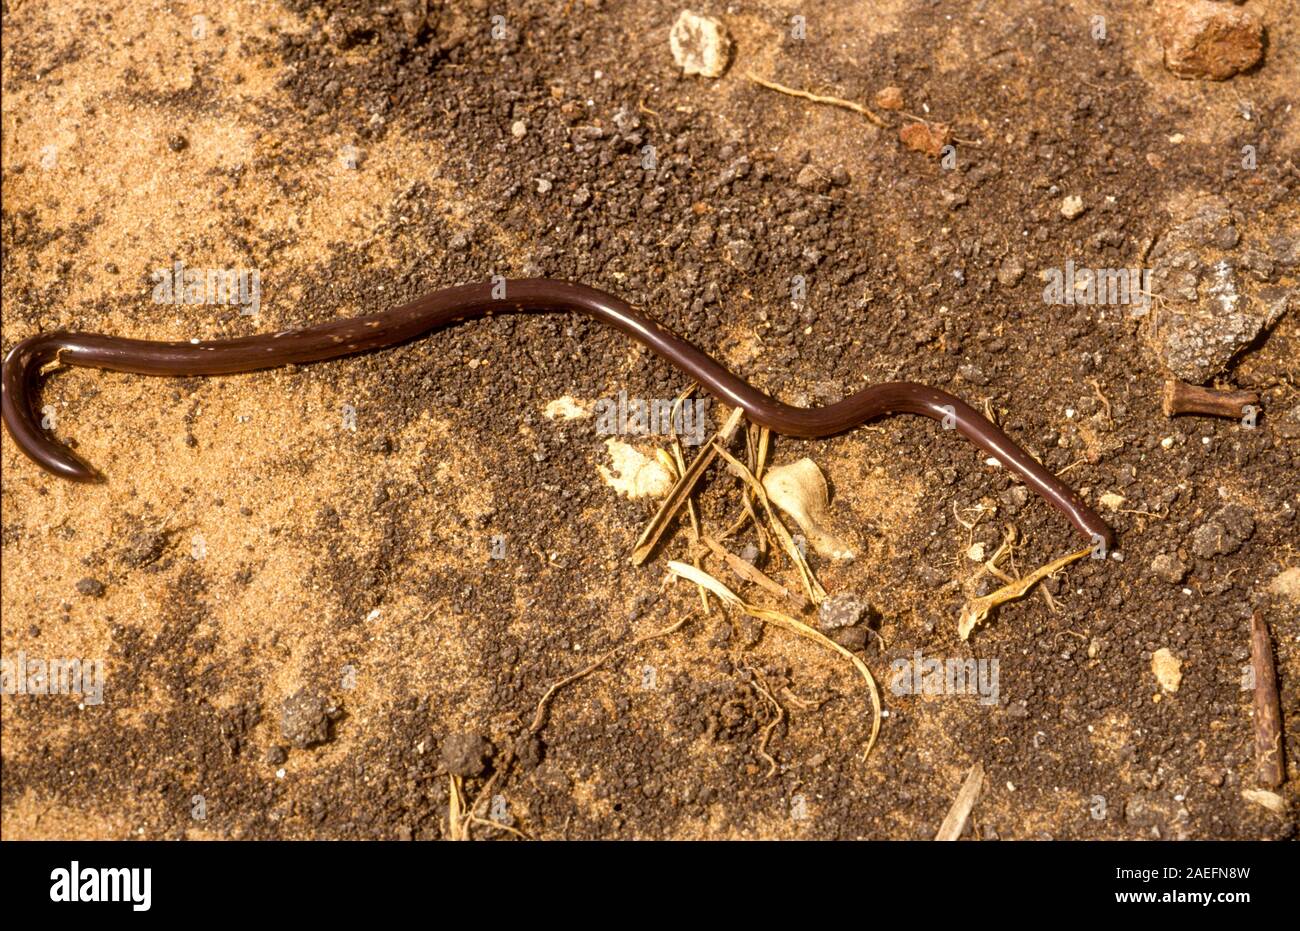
700, 45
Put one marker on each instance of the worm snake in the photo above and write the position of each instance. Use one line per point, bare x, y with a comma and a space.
24, 364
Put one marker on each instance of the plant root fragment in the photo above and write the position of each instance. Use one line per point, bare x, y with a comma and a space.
977, 610
727, 596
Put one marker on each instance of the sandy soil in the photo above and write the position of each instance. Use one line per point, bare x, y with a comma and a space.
307, 556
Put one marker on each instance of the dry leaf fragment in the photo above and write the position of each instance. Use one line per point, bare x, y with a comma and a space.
799, 489
634, 474
1266, 799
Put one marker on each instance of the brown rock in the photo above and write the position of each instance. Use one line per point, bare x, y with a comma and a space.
1169, 567
851, 638
890, 98
1011, 271
465, 754
305, 719
810, 179
927, 138
1208, 40
842, 610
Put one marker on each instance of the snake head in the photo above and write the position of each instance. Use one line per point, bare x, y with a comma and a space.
19, 379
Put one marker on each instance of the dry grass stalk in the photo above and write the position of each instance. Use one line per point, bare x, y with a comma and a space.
682, 490
753, 574
727, 596
959, 813
816, 594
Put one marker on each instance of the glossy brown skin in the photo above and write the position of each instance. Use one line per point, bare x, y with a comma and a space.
359, 334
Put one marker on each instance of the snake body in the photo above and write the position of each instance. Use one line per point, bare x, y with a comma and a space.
24, 363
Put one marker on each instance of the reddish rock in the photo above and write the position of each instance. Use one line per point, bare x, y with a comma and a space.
890, 98
1213, 41
928, 138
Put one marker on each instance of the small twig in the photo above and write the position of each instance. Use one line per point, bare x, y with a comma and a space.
990, 565
454, 810
54, 364
1182, 398
813, 588
989, 412
803, 704
959, 813
818, 98
979, 509
1269, 770
475, 819
1096, 388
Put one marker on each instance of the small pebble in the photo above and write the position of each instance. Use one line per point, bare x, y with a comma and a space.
889, 98
91, 587
465, 754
